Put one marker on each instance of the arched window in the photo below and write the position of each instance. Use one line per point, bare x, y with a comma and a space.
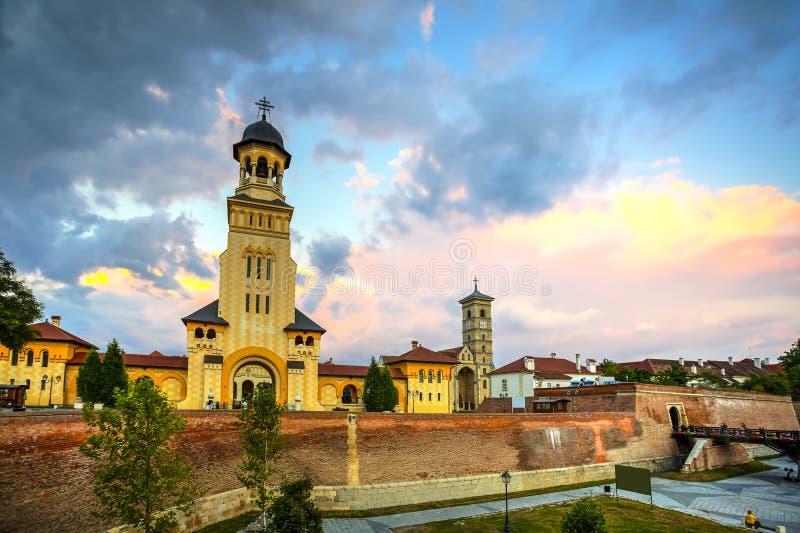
469, 338
269, 268
45, 358
247, 166
350, 394
14, 357
439, 376
29, 360
483, 348
484, 371
309, 341
469, 314
439, 397
249, 268
198, 333
276, 170
260, 220
251, 219
483, 337
483, 313
298, 341
484, 383
211, 334
430, 376
421, 377
258, 267
261, 167
269, 221
430, 396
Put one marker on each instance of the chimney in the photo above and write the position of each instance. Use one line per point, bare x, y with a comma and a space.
757, 362
577, 362
680, 361
700, 362
591, 366
56, 320
765, 360
414, 345
694, 369
529, 363
552, 355
722, 370
730, 359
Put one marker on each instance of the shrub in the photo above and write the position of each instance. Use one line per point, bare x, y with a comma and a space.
584, 517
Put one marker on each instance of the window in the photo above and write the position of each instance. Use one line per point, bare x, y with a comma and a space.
11, 381
483, 337
29, 358
275, 170
249, 264
198, 333
439, 376
269, 221
266, 305
298, 341
45, 358
251, 219
309, 341
28, 383
261, 167
483, 348
439, 397
260, 220
14, 357
246, 303
430, 396
44, 383
469, 315
349, 394
420, 396
483, 313
484, 383
258, 303
504, 385
211, 334
421, 377
483, 371
258, 267
430, 376
269, 268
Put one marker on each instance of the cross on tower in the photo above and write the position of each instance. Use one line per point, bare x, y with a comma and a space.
476, 283
264, 106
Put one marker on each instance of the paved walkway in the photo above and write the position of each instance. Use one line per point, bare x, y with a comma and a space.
774, 500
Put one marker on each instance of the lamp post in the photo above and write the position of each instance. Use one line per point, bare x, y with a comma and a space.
506, 479
51, 379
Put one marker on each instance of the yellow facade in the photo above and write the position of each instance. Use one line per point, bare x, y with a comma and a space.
332, 394
428, 386
46, 373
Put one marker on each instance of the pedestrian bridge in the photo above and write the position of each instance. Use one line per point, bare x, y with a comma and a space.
785, 442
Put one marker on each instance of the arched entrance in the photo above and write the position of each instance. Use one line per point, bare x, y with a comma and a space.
466, 389
674, 417
249, 376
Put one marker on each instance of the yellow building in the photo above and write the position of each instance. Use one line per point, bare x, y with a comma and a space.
254, 323
428, 377
42, 364
342, 386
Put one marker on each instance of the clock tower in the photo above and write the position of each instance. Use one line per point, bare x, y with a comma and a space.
476, 332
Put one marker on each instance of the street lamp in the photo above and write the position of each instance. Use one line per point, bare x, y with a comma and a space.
506, 479
57, 380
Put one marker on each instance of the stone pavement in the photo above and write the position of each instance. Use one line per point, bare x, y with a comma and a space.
774, 500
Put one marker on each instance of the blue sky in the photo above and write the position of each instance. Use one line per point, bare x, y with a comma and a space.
641, 158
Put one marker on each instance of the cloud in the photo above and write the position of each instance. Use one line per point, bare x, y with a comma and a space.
330, 149
158, 92
363, 179
426, 21
666, 161
329, 256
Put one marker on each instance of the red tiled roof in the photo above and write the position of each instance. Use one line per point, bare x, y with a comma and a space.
552, 375
421, 354
50, 332
513, 367
140, 360
351, 371
452, 351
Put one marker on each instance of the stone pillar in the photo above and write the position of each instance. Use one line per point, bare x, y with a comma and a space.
253, 169
352, 451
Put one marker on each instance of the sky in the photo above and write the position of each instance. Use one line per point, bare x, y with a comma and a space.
623, 177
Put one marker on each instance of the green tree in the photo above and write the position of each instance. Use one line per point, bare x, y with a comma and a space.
631, 375
793, 376
676, 376
791, 357
711, 380
90, 379
114, 374
262, 441
608, 368
294, 511
584, 517
380, 393
768, 384
139, 476
18, 308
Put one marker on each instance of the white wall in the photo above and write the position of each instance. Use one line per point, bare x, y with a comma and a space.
517, 384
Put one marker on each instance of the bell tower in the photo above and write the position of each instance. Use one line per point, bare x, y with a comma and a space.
476, 330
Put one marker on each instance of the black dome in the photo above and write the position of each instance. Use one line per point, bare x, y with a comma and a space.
262, 131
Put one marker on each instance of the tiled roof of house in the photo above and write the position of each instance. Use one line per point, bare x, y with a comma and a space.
542, 364
50, 332
423, 355
152, 360
513, 367
354, 371
452, 351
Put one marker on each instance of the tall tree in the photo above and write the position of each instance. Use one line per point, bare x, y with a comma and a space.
768, 384
294, 511
608, 368
18, 308
262, 440
114, 374
380, 393
140, 479
791, 357
90, 379
676, 375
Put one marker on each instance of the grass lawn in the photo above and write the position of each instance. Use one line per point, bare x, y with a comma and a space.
625, 515
231, 525
720, 473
